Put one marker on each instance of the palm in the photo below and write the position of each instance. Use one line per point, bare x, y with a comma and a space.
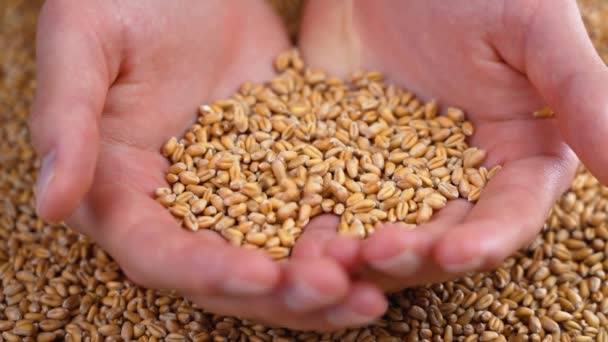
456, 62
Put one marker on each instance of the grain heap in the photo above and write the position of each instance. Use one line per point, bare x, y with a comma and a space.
259, 165
57, 285
595, 13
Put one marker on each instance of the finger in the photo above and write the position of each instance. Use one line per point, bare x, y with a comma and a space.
73, 75
363, 304
313, 284
560, 60
153, 251
510, 212
345, 250
306, 286
320, 238
316, 234
395, 253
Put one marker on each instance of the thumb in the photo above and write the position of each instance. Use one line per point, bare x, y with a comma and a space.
72, 82
563, 65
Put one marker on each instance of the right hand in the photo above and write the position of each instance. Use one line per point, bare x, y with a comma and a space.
115, 80
499, 61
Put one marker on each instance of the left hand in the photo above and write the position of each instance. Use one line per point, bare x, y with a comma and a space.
115, 79
499, 61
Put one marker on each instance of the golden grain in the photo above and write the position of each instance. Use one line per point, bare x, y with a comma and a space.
364, 165
543, 113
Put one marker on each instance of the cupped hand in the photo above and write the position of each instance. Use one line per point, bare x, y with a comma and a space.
500, 61
118, 78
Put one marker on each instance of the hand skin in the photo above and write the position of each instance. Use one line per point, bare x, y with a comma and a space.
118, 78
500, 61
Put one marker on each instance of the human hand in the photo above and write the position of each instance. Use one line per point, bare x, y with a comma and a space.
115, 80
499, 61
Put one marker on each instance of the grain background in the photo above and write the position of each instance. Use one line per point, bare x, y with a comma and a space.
57, 285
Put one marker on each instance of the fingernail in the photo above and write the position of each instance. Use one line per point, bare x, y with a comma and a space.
464, 266
45, 177
237, 286
342, 317
402, 265
300, 297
